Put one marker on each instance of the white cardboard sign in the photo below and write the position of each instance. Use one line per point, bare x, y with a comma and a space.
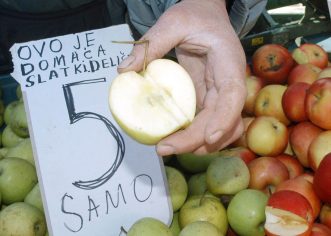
93, 178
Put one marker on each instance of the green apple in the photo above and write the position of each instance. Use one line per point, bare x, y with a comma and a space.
34, 198
194, 163
197, 184
17, 178
246, 212
22, 150
18, 92
204, 208
19, 122
22, 219
174, 226
227, 175
200, 228
8, 111
3, 152
177, 187
154, 103
148, 226
9, 138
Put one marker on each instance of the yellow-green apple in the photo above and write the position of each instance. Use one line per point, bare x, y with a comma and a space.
293, 101
204, 208
269, 102
19, 122
288, 213
246, 212
267, 136
292, 164
9, 138
273, 63
200, 228
149, 226
241, 141
311, 53
20, 219
244, 153
301, 137
194, 163
8, 111
17, 178
254, 85
288, 150
154, 103
197, 184
322, 180
266, 173
325, 73
306, 73
318, 103
22, 150
305, 188
227, 175
178, 188
320, 230
325, 215
34, 198
174, 226
318, 148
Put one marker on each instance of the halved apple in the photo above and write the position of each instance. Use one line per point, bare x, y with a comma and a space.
154, 103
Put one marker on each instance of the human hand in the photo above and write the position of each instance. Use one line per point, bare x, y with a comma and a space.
208, 48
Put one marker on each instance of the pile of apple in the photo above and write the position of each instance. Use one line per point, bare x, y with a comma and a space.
21, 208
276, 178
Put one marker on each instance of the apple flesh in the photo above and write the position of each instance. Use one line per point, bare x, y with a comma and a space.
311, 53
154, 103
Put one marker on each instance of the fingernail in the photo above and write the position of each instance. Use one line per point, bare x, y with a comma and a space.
165, 150
215, 136
126, 62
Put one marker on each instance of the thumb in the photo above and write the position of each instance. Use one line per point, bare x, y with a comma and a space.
163, 36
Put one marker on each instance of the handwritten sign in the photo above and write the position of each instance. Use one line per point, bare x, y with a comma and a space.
94, 179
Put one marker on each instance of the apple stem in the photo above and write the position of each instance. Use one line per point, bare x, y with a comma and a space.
145, 41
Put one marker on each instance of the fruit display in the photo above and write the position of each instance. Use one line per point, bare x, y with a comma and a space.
273, 180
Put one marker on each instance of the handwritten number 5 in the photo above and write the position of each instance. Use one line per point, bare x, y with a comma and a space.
77, 116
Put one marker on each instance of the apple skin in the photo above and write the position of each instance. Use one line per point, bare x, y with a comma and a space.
17, 178
293, 101
204, 208
325, 215
322, 180
241, 141
194, 163
292, 164
318, 148
267, 136
244, 153
174, 226
246, 212
320, 230
318, 103
272, 63
148, 226
266, 173
311, 53
22, 219
269, 102
301, 136
293, 202
9, 138
306, 73
34, 198
200, 228
305, 188
325, 73
254, 85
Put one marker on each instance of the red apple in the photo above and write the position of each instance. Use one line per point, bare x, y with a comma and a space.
273, 63
308, 175
254, 85
311, 53
320, 230
288, 213
293, 101
325, 73
302, 134
266, 173
322, 180
305, 188
269, 102
244, 153
318, 148
267, 136
241, 141
306, 73
292, 164
289, 149
325, 215
318, 103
